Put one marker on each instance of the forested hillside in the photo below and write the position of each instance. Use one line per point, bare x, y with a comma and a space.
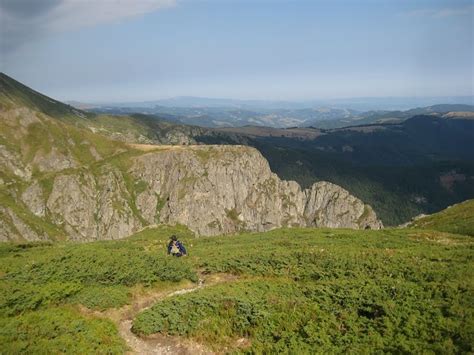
421, 165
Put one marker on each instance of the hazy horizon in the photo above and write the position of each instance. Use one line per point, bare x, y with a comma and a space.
146, 50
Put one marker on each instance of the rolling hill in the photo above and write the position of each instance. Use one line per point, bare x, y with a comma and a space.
135, 128
214, 115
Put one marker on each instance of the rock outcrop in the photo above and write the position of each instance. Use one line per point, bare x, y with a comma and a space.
93, 207
210, 189
225, 189
12, 227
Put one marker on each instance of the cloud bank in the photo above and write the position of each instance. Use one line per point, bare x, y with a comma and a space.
443, 13
24, 20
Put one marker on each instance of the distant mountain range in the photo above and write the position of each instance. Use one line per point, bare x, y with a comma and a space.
359, 104
231, 113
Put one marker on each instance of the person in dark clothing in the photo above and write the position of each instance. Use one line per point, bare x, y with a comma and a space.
176, 248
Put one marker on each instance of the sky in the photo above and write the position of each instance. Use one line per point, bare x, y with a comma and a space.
138, 50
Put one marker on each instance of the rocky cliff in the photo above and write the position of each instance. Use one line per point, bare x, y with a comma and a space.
225, 189
211, 189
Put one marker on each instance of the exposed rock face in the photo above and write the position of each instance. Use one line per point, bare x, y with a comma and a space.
10, 161
59, 179
91, 209
33, 197
14, 228
329, 205
211, 189
222, 189
72, 205
53, 161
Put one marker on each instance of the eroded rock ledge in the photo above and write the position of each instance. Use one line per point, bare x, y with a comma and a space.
225, 189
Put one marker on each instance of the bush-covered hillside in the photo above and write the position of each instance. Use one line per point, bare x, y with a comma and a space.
455, 219
305, 290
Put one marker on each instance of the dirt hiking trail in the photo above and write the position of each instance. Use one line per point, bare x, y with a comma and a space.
159, 344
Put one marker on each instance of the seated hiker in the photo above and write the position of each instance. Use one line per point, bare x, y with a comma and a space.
175, 247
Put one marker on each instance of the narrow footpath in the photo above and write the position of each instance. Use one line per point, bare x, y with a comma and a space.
158, 344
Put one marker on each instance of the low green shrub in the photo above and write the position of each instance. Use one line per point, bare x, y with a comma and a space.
301, 290
331, 317
102, 297
328, 291
16, 298
59, 330
105, 264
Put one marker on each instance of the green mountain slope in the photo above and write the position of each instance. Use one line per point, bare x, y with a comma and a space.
36, 148
457, 219
134, 128
285, 291
43, 141
15, 94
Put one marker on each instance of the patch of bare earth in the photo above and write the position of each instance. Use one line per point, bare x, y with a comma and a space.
153, 147
150, 147
437, 237
448, 180
459, 114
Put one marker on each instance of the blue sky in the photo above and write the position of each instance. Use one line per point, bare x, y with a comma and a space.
134, 50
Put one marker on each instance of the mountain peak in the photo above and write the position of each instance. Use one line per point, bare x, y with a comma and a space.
13, 93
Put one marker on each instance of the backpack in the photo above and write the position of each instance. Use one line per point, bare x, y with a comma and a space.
175, 248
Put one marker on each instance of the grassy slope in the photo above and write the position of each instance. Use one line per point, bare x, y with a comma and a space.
40, 138
456, 219
298, 289
14, 94
130, 128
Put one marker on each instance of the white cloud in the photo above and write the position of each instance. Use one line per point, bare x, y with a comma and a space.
442, 13
24, 20
73, 14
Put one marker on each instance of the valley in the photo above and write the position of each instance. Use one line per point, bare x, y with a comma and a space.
398, 169
234, 113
